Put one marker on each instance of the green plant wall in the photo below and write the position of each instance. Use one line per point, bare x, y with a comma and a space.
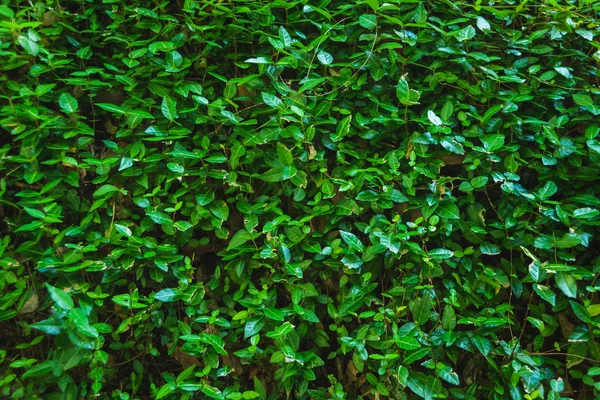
299, 199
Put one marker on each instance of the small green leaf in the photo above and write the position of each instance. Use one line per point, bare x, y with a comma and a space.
492, 143
253, 326
567, 283
68, 103
368, 21
274, 314
167, 295
407, 343
343, 127
284, 154
448, 318
239, 238
272, 101
60, 297
464, 34
205, 198
159, 217
447, 209
111, 108
278, 174
545, 293
352, 240
421, 309
324, 57
220, 209
169, 108
434, 119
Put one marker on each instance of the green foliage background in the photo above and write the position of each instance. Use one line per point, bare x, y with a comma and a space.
299, 199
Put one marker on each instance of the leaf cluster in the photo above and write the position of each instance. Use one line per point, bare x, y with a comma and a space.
293, 199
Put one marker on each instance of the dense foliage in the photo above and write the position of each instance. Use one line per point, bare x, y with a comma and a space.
294, 199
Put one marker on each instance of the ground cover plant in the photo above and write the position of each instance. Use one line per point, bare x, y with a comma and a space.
299, 199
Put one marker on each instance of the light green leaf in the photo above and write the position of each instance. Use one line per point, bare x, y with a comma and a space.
421, 309
111, 108
68, 103
159, 217
284, 154
545, 293
464, 34
220, 209
169, 108
407, 343
567, 283
352, 240
239, 239
368, 21
60, 297
434, 119
448, 318
205, 198
324, 57
253, 326
492, 143
447, 209
272, 100
343, 127
278, 174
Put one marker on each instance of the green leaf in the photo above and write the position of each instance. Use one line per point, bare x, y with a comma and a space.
405, 95
273, 313
483, 344
278, 174
368, 21
434, 119
448, 375
492, 143
29, 45
547, 191
161, 47
567, 283
7, 12
545, 293
407, 343
440, 254
580, 312
447, 111
585, 213
448, 318
68, 103
583, 100
253, 326
111, 108
447, 209
215, 341
167, 295
343, 127
169, 108
285, 37
284, 154
220, 209
238, 239
421, 309
482, 24
367, 195
272, 101
464, 34
324, 57
205, 198
159, 217
352, 240
60, 297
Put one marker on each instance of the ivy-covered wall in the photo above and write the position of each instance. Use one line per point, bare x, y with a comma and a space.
299, 199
